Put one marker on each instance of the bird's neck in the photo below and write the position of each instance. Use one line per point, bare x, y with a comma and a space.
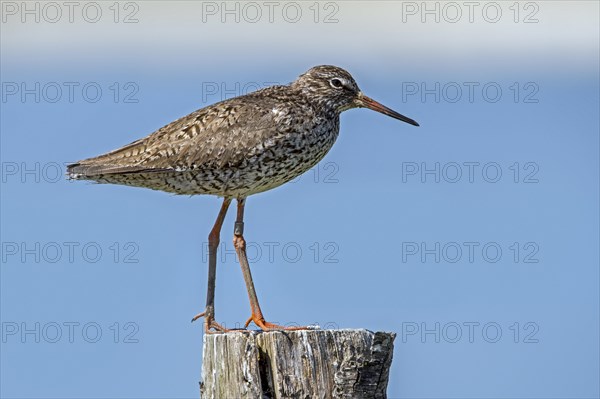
322, 105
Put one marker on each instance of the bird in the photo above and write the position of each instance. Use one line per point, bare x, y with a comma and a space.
237, 148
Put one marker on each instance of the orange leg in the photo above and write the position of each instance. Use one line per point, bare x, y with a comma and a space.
240, 248
213, 244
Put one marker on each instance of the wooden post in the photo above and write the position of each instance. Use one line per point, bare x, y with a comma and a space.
296, 364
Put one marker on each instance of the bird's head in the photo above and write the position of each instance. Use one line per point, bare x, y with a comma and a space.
336, 89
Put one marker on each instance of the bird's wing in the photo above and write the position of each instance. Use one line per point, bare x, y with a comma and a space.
216, 136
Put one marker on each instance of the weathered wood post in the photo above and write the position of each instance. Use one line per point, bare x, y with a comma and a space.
296, 364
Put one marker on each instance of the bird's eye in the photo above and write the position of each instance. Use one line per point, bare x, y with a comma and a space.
336, 83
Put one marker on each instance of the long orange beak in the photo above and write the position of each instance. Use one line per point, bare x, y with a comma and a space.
366, 102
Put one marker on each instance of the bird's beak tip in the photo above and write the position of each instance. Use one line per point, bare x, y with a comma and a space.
366, 102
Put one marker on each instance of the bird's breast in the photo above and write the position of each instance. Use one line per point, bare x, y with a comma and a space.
290, 151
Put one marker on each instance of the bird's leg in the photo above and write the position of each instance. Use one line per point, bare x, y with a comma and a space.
213, 244
240, 248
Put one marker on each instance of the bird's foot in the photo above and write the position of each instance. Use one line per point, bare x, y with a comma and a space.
210, 325
266, 326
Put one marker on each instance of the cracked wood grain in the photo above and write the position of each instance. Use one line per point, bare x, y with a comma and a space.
296, 364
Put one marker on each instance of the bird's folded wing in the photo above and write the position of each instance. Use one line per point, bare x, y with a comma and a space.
216, 136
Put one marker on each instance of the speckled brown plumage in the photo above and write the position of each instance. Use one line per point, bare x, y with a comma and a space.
237, 147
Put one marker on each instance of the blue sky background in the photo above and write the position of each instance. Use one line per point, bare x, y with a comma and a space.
346, 239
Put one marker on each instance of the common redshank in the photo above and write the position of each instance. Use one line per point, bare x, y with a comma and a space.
236, 148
